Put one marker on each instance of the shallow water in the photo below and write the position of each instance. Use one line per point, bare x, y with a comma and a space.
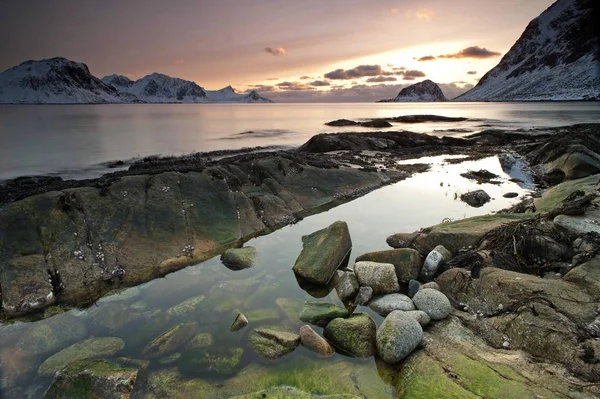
139, 314
75, 140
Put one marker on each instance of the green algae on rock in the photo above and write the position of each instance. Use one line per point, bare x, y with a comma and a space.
171, 339
354, 335
239, 258
272, 344
209, 360
52, 334
321, 313
187, 306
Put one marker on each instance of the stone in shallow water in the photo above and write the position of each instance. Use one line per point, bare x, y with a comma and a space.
239, 258
323, 252
379, 276
201, 340
52, 334
171, 340
433, 302
321, 313
90, 348
240, 322
272, 344
385, 304
313, 341
223, 361
398, 336
476, 199
354, 335
187, 306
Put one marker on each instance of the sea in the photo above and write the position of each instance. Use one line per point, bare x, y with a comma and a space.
78, 141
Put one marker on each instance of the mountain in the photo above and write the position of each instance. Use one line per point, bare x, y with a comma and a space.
555, 58
228, 94
159, 88
56, 81
425, 91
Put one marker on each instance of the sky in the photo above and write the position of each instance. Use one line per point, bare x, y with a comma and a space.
289, 51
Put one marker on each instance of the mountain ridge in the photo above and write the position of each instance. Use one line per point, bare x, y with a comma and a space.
425, 91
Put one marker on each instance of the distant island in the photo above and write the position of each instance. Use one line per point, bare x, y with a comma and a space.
425, 91
62, 81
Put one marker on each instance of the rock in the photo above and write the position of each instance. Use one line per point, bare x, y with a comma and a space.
379, 123
287, 392
364, 296
122, 295
586, 275
93, 378
385, 304
341, 122
321, 313
354, 335
202, 340
90, 348
398, 336
171, 340
221, 361
379, 276
346, 285
323, 252
111, 317
476, 199
186, 307
240, 322
401, 240
481, 176
170, 359
313, 341
413, 287
272, 344
554, 197
511, 195
432, 302
133, 363
262, 315
577, 225
541, 248
421, 317
433, 261
406, 261
239, 258
52, 334
432, 285
574, 162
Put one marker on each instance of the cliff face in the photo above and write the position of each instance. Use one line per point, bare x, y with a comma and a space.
556, 58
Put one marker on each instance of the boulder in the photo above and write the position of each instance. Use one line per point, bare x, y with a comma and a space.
406, 261
413, 287
421, 317
476, 199
313, 341
578, 225
364, 296
346, 285
239, 258
93, 378
432, 284
401, 240
90, 348
432, 302
398, 336
379, 276
323, 252
379, 123
171, 340
354, 336
385, 304
433, 261
272, 344
321, 313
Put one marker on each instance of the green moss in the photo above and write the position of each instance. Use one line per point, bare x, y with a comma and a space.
187, 306
260, 315
554, 197
210, 361
291, 308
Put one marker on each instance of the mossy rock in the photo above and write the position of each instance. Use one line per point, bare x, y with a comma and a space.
321, 313
185, 307
52, 334
554, 197
111, 317
406, 261
93, 378
144, 331
285, 392
291, 308
262, 315
168, 383
239, 258
202, 340
90, 348
354, 336
202, 361
272, 344
171, 340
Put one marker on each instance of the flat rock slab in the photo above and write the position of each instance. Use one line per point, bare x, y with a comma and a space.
379, 276
323, 252
406, 261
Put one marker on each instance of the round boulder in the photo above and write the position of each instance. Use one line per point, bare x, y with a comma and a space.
239, 258
432, 302
354, 335
383, 305
398, 336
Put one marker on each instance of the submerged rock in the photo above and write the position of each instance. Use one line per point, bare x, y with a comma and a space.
287, 392
385, 304
406, 261
432, 302
476, 199
321, 313
398, 336
52, 334
272, 344
354, 335
239, 258
379, 276
185, 307
240, 322
202, 340
90, 348
222, 361
93, 378
171, 340
313, 341
323, 252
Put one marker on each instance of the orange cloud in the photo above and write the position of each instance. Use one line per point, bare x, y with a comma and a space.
424, 14
179, 61
277, 51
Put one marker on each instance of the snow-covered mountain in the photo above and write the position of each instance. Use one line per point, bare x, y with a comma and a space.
555, 58
56, 81
425, 91
228, 95
159, 88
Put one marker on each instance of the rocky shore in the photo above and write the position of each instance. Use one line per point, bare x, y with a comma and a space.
495, 306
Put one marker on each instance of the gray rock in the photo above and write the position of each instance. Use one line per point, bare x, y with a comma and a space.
313, 341
511, 195
406, 261
398, 336
413, 287
432, 285
543, 248
577, 225
346, 285
433, 261
385, 304
354, 335
364, 296
432, 302
240, 322
379, 276
321, 313
239, 258
421, 317
272, 344
476, 199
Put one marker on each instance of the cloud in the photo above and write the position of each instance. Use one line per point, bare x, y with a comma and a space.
381, 79
179, 61
263, 88
272, 78
472, 52
395, 11
424, 14
455, 89
360, 71
413, 74
276, 51
427, 58
305, 77
472, 73
319, 83
294, 86
399, 69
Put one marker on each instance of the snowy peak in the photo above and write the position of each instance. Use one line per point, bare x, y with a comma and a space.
55, 81
117, 81
554, 59
159, 88
229, 95
425, 91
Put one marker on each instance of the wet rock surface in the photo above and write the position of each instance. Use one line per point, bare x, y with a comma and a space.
272, 344
476, 199
354, 336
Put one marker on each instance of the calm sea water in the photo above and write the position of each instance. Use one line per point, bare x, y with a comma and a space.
74, 140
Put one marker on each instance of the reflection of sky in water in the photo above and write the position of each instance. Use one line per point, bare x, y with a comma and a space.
406, 206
